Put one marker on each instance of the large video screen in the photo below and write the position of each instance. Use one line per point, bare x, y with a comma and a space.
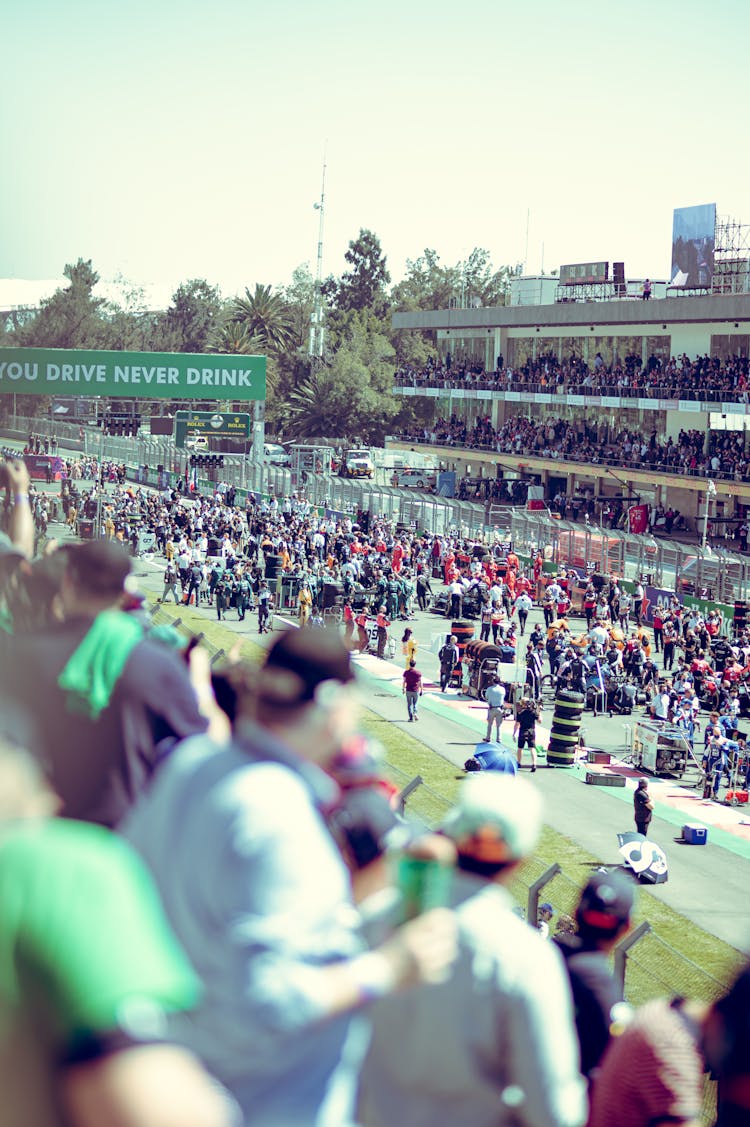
693, 231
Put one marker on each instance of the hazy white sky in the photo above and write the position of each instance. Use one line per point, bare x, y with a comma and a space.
171, 139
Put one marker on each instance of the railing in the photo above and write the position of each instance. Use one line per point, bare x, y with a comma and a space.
499, 385
605, 459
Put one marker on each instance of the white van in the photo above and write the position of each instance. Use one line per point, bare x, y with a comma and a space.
274, 454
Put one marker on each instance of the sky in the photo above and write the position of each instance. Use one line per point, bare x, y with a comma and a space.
171, 139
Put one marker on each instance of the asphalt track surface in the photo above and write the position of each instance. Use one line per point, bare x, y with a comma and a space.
707, 884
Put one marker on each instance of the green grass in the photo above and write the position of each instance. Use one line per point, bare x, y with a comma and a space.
678, 957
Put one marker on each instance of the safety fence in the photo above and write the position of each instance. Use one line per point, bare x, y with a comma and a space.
699, 576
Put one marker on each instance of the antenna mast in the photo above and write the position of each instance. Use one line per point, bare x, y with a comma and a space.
316, 327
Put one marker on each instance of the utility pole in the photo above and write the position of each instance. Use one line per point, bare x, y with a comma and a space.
316, 328
710, 494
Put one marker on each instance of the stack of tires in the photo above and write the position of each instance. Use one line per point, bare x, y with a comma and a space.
272, 572
464, 632
566, 726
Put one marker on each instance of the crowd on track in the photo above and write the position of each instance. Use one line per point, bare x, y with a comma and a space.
709, 379
215, 912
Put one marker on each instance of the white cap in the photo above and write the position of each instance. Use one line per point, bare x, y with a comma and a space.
497, 817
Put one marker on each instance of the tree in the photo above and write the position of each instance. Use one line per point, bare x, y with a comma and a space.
267, 317
364, 285
195, 311
129, 326
299, 296
426, 285
307, 410
352, 395
231, 337
72, 317
429, 285
482, 284
234, 339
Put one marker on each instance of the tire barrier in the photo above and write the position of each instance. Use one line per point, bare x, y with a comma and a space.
482, 659
273, 566
566, 726
464, 632
481, 651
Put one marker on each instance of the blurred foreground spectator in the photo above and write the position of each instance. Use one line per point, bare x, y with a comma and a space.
258, 892
653, 1072
495, 1044
602, 920
102, 701
88, 972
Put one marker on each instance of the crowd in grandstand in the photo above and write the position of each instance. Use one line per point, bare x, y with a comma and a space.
214, 932
724, 456
705, 378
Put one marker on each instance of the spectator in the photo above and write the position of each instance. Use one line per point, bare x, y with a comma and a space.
411, 686
505, 1045
494, 695
260, 897
450, 660
104, 700
602, 920
546, 912
643, 807
105, 965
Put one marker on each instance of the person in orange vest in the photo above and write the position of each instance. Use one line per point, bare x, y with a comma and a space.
349, 621
523, 585
512, 561
305, 604
382, 622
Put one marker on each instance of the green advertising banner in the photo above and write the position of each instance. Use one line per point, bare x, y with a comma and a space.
223, 425
131, 375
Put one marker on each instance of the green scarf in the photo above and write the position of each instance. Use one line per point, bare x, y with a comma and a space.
94, 669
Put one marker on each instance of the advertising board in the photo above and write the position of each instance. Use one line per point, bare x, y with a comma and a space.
693, 240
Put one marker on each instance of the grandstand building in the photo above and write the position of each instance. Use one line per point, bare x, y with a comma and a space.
497, 364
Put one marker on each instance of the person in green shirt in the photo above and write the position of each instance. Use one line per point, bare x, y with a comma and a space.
89, 971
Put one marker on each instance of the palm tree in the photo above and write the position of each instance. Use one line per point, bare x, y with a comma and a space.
233, 339
308, 411
231, 336
266, 316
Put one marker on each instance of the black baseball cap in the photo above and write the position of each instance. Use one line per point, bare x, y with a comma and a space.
314, 656
365, 823
606, 902
98, 567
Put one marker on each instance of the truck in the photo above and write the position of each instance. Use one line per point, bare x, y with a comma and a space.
357, 462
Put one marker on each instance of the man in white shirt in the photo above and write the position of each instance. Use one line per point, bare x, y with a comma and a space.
523, 605
661, 702
455, 597
496, 591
